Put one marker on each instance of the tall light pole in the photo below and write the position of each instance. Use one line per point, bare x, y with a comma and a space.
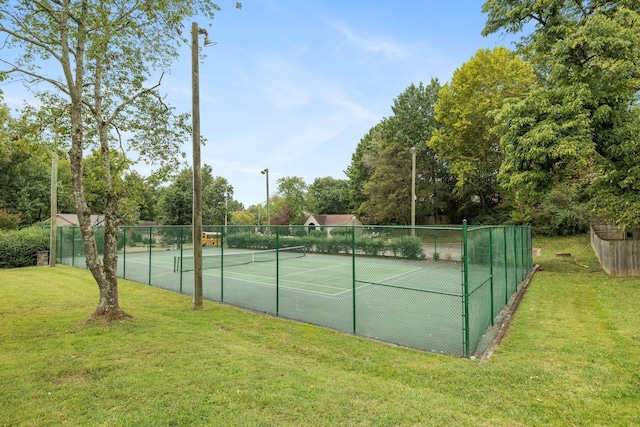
266, 172
197, 172
413, 190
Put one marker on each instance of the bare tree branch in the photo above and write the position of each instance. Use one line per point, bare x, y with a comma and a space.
35, 77
130, 100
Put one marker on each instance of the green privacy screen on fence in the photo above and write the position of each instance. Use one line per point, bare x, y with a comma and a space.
436, 289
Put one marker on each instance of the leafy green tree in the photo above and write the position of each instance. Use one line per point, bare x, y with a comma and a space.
329, 196
176, 201
293, 194
464, 109
243, 218
107, 51
259, 212
24, 170
389, 187
584, 122
363, 165
384, 164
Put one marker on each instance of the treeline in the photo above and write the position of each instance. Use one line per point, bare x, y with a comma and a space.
546, 135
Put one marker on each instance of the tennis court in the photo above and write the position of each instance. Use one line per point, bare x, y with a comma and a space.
429, 288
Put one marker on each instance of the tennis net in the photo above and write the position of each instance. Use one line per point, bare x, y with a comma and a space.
185, 262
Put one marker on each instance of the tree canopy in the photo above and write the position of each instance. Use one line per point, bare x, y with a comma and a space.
176, 200
381, 168
329, 195
105, 61
463, 108
583, 123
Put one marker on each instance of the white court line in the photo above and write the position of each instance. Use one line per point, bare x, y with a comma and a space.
401, 274
253, 282
288, 281
308, 270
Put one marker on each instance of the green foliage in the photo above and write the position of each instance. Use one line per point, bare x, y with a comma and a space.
25, 168
9, 221
563, 212
328, 196
584, 121
300, 232
20, 248
317, 241
176, 200
410, 247
381, 169
242, 218
363, 165
341, 231
293, 193
463, 108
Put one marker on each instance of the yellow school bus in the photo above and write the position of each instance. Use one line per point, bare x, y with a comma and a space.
210, 238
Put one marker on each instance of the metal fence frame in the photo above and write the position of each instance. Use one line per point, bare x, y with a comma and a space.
493, 262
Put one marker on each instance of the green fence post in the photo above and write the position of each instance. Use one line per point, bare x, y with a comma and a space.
59, 237
124, 253
523, 274
515, 256
465, 284
224, 239
506, 267
435, 241
277, 271
530, 243
180, 266
493, 315
73, 246
353, 273
149, 244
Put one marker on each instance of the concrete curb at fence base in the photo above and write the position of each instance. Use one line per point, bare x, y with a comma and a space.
494, 334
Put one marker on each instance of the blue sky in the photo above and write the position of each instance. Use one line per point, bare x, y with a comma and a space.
294, 85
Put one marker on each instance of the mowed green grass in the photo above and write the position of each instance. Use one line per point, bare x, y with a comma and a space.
571, 357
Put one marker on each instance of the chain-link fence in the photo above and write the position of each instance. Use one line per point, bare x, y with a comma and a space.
431, 288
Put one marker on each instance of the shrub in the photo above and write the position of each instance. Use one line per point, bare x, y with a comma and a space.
300, 232
317, 241
341, 231
20, 248
411, 248
563, 212
370, 246
9, 221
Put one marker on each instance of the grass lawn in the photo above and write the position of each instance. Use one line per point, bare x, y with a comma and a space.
571, 357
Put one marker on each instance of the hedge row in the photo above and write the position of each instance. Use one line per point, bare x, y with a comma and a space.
20, 248
403, 247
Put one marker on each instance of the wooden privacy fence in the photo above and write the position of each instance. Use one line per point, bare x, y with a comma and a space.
617, 255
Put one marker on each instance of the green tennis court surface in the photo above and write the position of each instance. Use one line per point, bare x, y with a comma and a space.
430, 288
333, 275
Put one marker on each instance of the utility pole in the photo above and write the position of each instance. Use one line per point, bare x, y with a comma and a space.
53, 238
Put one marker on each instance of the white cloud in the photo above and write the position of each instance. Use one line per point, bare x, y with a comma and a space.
371, 46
